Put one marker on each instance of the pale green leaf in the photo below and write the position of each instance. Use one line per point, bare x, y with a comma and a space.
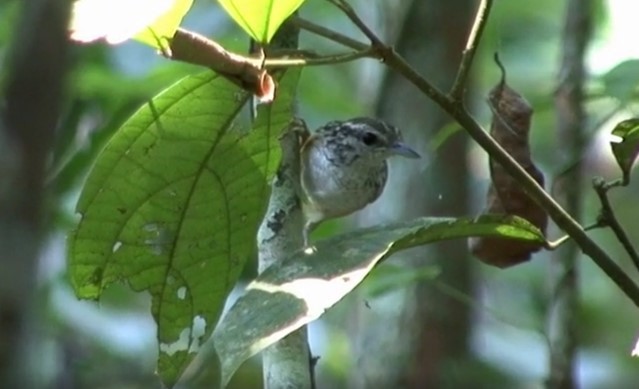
152, 22
301, 288
260, 18
172, 207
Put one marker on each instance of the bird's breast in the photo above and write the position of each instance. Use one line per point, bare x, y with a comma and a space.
336, 189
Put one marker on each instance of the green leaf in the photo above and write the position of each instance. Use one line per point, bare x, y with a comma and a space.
165, 25
172, 207
260, 18
621, 81
625, 145
152, 22
301, 288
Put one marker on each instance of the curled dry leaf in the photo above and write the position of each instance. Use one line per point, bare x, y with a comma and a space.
510, 127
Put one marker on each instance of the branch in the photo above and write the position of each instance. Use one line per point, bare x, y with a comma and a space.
328, 34
250, 72
287, 363
387, 53
607, 218
315, 61
457, 91
456, 110
357, 21
193, 48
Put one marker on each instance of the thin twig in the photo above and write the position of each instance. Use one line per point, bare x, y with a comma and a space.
456, 110
315, 61
457, 90
388, 55
607, 218
616, 183
357, 21
328, 34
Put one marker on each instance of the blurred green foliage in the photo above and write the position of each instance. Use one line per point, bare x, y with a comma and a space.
89, 346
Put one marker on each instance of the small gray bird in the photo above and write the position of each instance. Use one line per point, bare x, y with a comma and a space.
344, 167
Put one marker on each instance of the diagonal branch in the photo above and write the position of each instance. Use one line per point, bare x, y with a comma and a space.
357, 21
328, 33
456, 110
316, 61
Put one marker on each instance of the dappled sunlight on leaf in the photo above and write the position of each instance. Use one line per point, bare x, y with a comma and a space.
301, 288
148, 21
173, 203
635, 350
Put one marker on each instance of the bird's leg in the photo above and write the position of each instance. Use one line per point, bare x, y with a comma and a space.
306, 232
299, 126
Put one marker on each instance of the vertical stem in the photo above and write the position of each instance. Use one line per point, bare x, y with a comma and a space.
481, 17
287, 363
571, 129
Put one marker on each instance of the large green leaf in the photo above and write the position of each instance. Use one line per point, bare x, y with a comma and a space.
299, 289
172, 207
260, 18
625, 145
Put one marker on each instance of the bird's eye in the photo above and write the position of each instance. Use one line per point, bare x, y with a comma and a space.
369, 138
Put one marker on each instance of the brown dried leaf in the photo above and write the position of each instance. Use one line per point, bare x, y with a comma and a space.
510, 127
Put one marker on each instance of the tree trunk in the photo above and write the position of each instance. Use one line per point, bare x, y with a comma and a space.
411, 342
32, 95
571, 119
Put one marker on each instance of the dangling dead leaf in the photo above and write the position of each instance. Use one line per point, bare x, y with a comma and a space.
510, 127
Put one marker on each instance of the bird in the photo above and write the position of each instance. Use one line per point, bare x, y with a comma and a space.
344, 168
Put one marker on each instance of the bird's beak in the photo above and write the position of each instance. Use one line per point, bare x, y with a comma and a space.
401, 149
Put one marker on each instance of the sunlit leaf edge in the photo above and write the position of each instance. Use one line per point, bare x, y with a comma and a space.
234, 345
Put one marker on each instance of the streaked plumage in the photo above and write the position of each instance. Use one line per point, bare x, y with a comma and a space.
344, 167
